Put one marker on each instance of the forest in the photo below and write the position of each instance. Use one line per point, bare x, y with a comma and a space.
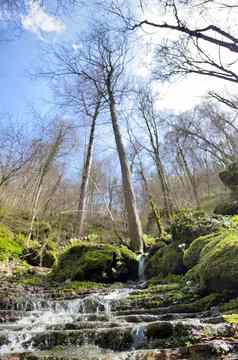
118, 179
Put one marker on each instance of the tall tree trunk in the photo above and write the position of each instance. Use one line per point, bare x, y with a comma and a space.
134, 224
168, 205
86, 172
189, 175
155, 212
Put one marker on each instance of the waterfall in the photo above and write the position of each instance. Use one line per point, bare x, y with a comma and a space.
141, 268
43, 316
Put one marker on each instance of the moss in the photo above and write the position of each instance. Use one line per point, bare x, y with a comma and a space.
187, 225
9, 247
41, 254
167, 260
217, 266
230, 305
149, 240
169, 279
32, 280
231, 318
79, 287
192, 254
100, 263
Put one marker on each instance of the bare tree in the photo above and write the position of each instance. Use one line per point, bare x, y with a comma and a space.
204, 50
47, 161
87, 168
151, 119
102, 64
17, 150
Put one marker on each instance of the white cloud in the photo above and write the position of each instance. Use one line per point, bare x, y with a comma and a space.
38, 21
185, 94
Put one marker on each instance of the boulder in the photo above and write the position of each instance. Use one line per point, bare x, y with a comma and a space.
168, 259
213, 261
187, 225
99, 263
36, 257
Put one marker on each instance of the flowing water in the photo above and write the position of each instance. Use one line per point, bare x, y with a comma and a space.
105, 325
141, 268
44, 316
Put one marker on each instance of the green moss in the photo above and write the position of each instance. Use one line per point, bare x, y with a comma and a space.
192, 254
187, 225
100, 263
230, 305
9, 247
167, 260
32, 280
217, 266
149, 240
231, 318
79, 287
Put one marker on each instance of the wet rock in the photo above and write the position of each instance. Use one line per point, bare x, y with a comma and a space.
159, 330
115, 339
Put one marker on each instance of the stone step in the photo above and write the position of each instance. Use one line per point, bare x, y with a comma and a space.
125, 337
212, 350
149, 317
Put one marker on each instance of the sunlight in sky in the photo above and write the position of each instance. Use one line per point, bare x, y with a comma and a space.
38, 21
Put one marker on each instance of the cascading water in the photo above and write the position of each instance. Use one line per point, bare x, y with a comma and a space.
141, 268
47, 315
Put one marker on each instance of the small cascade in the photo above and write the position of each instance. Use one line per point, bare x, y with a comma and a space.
141, 268
116, 324
45, 315
138, 335
106, 301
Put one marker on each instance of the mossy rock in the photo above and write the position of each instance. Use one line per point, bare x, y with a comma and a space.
37, 256
192, 254
167, 260
215, 256
9, 246
187, 225
99, 263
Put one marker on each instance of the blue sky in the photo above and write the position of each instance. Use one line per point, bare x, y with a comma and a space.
23, 54
17, 57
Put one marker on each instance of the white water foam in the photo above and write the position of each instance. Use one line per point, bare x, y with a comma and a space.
141, 268
55, 313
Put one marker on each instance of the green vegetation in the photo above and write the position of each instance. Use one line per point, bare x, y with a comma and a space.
187, 225
192, 254
167, 260
9, 246
100, 263
231, 319
216, 256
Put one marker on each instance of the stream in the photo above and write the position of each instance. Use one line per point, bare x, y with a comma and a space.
108, 325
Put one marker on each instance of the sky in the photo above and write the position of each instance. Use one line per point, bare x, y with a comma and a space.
18, 57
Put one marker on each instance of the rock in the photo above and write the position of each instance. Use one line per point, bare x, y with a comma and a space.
99, 263
35, 257
167, 260
187, 225
214, 261
159, 330
116, 339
